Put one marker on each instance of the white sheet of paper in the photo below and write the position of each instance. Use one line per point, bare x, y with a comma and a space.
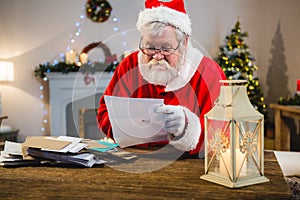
134, 121
289, 162
12, 148
12, 152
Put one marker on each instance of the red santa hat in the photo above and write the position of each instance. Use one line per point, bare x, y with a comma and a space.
169, 12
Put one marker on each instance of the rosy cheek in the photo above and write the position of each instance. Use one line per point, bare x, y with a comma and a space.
147, 58
171, 61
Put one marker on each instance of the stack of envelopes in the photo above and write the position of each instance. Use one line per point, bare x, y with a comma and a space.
62, 149
12, 156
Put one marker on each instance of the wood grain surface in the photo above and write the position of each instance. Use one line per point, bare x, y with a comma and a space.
178, 180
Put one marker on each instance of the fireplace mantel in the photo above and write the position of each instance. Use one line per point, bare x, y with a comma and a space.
66, 88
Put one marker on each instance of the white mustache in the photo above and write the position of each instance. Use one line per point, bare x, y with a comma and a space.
155, 62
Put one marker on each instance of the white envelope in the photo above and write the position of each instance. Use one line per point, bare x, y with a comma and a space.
133, 120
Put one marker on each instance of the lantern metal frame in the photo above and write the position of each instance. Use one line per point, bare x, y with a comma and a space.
234, 147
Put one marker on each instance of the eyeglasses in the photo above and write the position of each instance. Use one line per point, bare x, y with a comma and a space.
152, 51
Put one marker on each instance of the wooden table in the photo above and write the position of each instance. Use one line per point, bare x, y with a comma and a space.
282, 131
179, 180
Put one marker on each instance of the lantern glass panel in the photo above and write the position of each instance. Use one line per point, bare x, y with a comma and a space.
248, 141
234, 157
218, 141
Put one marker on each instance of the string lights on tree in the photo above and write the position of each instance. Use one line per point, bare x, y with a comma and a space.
238, 64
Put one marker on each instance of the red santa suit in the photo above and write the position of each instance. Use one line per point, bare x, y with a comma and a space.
195, 89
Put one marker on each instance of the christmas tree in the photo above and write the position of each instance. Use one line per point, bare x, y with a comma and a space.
237, 64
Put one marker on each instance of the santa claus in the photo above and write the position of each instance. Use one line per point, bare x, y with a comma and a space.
168, 67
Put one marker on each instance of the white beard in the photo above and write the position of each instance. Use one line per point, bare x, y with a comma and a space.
158, 72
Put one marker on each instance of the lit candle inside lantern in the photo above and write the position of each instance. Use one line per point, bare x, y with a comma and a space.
70, 57
239, 162
83, 58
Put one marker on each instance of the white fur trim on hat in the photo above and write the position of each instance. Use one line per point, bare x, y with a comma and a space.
165, 15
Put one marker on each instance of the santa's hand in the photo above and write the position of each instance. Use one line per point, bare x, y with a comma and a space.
174, 118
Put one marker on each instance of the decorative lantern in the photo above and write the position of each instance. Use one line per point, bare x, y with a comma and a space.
234, 146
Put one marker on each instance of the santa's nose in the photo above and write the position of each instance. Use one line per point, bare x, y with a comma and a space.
158, 56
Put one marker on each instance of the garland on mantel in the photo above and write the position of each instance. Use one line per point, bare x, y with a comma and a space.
65, 68
108, 65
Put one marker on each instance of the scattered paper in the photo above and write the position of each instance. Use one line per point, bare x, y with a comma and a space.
12, 148
12, 155
78, 147
92, 144
289, 162
62, 149
73, 147
45, 143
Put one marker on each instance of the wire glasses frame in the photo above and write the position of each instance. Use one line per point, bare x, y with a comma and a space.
152, 51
